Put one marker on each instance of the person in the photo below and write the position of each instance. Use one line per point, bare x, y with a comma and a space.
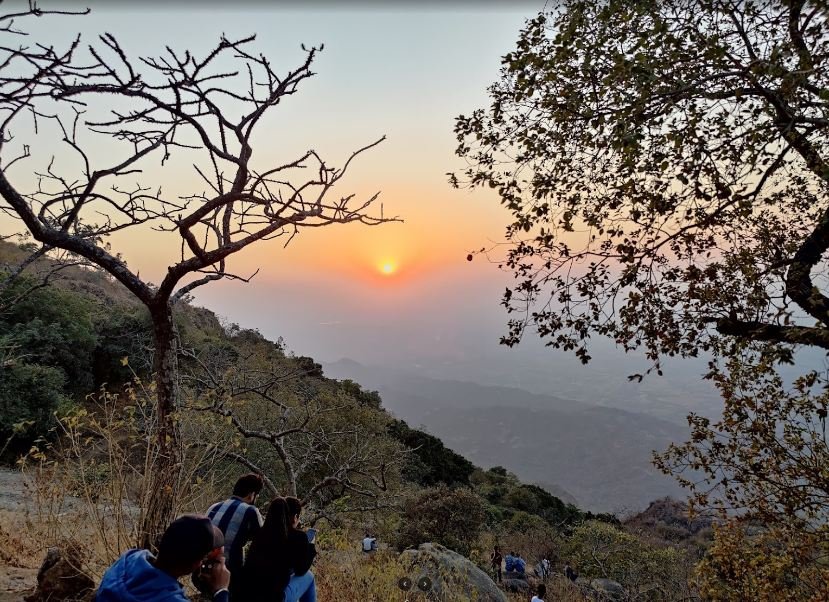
540, 593
369, 543
509, 562
542, 569
569, 572
519, 566
239, 520
277, 567
191, 544
495, 560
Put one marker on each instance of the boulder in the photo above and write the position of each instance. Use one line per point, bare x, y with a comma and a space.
515, 582
452, 576
608, 589
60, 578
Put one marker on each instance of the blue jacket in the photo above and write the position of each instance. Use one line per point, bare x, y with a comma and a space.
133, 579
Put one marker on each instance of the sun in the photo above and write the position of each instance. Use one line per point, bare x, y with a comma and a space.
388, 268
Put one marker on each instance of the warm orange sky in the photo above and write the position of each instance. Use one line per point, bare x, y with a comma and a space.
401, 73
404, 73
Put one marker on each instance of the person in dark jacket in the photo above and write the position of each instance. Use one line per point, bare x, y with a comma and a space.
277, 567
191, 544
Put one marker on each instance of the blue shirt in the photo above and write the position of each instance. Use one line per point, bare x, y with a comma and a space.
133, 578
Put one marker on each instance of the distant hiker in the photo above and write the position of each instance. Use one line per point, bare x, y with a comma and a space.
542, 569
369, 543
509, 562
239, 520
277, 568
540, 593
495, 560
569, 572
191, 544
519, 566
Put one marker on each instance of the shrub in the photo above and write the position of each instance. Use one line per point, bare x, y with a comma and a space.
451, 517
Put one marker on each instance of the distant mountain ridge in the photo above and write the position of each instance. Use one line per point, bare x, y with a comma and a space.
600, 455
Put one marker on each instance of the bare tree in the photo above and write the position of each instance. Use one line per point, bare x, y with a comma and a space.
277, 409
174, 103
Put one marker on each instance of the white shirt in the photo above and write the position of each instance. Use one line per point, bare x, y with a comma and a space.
369, 544
536, 599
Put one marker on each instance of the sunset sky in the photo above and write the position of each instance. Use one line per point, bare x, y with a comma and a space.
399, 294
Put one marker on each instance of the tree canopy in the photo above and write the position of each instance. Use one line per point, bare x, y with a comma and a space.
665, 167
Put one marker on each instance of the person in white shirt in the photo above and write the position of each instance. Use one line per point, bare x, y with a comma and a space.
369, 543
540, 594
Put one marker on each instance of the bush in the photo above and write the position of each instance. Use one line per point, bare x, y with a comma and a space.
29, 396
451, 517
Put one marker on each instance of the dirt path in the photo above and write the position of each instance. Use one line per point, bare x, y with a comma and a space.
15, 582
11, 490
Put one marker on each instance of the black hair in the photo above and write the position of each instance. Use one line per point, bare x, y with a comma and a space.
272, 536
294, 508
247, 484
541, 591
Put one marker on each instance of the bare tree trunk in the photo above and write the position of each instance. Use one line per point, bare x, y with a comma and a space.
166, 469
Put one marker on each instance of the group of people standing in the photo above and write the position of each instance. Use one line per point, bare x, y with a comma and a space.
210, 548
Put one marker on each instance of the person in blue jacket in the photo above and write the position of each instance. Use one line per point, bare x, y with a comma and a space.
191, 545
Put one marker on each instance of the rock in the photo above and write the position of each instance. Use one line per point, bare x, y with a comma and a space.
452, 576
60, 578
515, 582
519, 586
608, 589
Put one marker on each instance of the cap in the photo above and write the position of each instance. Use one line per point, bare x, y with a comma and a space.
190, 538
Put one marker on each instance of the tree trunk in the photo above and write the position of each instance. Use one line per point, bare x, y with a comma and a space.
166, 466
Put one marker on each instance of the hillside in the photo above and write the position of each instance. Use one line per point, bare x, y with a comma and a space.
82, 333
596, 456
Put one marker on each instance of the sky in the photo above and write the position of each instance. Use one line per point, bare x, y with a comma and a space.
404, 72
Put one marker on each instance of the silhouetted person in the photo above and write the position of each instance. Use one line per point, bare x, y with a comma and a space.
190, 545
279, 559
540, 593
569, 572
238, 520
495, 560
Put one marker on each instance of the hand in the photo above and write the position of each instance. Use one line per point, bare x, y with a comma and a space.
217, 576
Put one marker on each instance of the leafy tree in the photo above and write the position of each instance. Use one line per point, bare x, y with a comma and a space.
767, 567
600, 550
665, 166
202, 110
432, 463
29, 396
508, 497
52, 327
451, 517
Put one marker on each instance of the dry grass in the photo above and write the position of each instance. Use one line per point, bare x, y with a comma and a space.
342, 571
